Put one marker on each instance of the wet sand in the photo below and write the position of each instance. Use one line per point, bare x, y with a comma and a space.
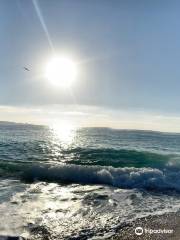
167, 221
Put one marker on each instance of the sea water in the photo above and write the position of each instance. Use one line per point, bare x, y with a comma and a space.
65, 183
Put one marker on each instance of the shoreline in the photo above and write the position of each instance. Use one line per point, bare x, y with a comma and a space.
169, 221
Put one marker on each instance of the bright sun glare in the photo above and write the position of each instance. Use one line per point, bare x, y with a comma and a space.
61, 71
64, 131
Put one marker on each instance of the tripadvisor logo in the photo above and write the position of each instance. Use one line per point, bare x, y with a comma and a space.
139, 231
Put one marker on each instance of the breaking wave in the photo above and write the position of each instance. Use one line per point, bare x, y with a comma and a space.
145, 178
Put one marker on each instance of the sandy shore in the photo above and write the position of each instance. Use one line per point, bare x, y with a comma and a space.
167, 221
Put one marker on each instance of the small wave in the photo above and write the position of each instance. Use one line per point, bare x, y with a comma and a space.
40, 151
145, 178
117, 157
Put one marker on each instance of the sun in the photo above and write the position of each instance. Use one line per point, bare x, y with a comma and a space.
61, 71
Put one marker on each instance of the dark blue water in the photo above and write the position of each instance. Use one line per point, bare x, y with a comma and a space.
124, 158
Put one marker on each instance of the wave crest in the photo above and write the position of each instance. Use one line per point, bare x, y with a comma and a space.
145, 178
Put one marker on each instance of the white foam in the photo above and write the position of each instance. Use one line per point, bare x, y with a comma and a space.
77, 210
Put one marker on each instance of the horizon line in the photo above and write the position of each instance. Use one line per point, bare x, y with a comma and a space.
81, 127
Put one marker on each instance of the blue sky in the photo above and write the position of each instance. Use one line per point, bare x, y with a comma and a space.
128, 54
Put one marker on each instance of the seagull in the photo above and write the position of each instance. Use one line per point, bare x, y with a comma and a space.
27, 69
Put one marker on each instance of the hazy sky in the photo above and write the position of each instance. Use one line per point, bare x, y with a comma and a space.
127, 53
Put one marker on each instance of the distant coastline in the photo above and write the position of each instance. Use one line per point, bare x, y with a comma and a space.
95, 127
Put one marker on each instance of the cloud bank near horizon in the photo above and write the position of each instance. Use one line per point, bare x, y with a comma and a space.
91, 116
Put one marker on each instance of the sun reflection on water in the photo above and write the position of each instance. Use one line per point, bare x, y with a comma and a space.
63, 133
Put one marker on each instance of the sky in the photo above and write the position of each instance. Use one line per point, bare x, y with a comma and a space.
127, 54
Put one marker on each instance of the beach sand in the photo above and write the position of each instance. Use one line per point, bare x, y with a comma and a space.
169, 221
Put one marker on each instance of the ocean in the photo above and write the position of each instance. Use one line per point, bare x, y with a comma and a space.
65, 183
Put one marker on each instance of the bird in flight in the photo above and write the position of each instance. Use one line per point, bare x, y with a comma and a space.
27, 69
